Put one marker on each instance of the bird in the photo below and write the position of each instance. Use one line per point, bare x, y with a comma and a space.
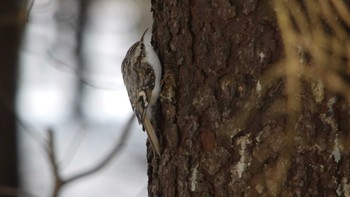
141, 70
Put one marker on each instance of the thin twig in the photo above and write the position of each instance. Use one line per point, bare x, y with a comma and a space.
59, 182
59, 64
34, 134
28, 6
118, 147
73, 146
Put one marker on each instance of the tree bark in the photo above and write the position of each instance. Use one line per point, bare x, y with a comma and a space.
11, 21
223, 123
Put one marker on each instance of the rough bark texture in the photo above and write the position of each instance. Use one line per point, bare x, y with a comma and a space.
222, 126
10, 24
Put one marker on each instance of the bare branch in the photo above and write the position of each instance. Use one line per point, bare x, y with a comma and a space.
53, 162
59, 182
73, 147
118, 147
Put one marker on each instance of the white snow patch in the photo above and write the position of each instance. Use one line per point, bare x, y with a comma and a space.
258, 87
244, 161
194, 178
262, 56
336, 152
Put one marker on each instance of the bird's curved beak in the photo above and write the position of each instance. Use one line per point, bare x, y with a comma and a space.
143, 35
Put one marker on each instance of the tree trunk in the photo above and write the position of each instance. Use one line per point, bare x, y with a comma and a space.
10, 27
224, 124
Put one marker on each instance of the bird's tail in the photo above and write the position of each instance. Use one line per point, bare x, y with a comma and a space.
151, 135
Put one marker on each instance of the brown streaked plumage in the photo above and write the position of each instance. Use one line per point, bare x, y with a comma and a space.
141, 79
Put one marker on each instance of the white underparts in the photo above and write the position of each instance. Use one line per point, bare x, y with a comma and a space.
153, 60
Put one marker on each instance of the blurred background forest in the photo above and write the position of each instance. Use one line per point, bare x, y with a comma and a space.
68, 105
69, 82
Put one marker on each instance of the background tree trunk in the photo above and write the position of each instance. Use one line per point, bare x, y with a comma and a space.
10, 27
223, 123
